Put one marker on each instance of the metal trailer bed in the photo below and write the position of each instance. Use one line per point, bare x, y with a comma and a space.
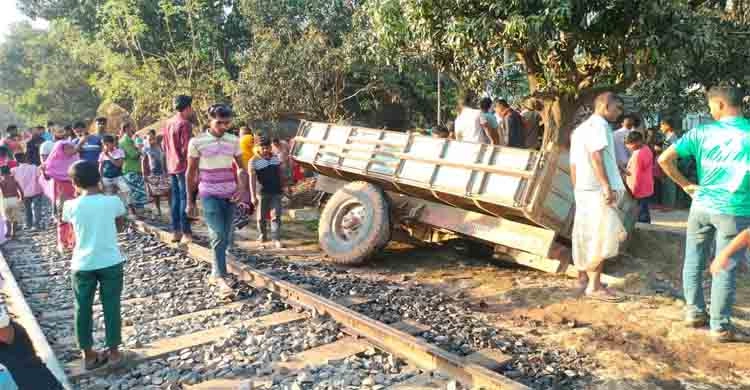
518, 200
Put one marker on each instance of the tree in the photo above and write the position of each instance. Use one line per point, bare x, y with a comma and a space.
571, 50
309, 56
146, 52
8, 117
40, 80
306, 75
81, 12
143, 52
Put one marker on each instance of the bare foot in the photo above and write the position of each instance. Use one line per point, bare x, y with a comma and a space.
583, 282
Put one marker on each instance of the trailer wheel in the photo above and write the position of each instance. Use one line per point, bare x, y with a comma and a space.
355, 223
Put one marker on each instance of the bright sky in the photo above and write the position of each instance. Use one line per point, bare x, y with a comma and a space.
10, 14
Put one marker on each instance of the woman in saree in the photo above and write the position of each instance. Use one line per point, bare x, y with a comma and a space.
131, 171
59, 188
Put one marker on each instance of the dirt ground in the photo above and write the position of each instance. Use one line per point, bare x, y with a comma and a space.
639, 344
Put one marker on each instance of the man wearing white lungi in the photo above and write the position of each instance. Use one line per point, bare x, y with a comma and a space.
597, 229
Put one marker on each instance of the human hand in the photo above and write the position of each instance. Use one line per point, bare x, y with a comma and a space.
191, 210
610, 197
691, 189
720, 264
237, 197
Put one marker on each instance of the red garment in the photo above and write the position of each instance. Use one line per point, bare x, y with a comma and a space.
298, 174
64, 190
176, 134
13, 145
641, 173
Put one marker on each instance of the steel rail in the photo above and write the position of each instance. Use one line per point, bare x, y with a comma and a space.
30, 323
420, 353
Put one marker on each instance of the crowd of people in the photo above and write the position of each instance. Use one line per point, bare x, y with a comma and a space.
93, 182
77, 174
497, 123
636, 148
719, 188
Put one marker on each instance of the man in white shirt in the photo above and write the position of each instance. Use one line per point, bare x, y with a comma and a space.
622, 154
598, 188
467, 124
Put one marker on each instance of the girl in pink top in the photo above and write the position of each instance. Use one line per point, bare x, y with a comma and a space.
640, 173
59, 188
27, 176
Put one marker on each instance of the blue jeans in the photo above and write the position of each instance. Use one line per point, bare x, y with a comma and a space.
219, 214
705, 229
644, 215
180, 223
33, 208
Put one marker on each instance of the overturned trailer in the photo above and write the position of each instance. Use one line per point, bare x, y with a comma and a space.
519, 201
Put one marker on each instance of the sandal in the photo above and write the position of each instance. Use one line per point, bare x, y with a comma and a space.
99, 361
605, 295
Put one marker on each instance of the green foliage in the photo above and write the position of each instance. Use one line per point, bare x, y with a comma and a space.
568, 48
373, 62
296, 62
40, 79
146, 52
305, 75
8, 117
308, 57
268, 57
81, 12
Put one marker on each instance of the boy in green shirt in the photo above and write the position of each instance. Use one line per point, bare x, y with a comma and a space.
97, 262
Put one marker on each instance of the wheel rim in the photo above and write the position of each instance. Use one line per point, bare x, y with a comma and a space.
348, 220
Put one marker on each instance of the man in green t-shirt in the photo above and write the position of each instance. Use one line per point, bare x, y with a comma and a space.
720, 208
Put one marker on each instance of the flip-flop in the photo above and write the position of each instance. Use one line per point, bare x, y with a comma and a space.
100, 360
605, 295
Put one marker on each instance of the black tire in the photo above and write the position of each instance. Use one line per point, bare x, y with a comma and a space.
371, 236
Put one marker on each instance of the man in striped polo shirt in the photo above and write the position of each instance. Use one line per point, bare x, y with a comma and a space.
213, 168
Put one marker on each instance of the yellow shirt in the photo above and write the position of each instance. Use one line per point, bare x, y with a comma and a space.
247, 147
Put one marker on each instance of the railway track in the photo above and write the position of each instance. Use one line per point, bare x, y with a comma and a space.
282, 329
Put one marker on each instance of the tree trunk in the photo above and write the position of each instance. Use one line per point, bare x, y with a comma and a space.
560, 114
